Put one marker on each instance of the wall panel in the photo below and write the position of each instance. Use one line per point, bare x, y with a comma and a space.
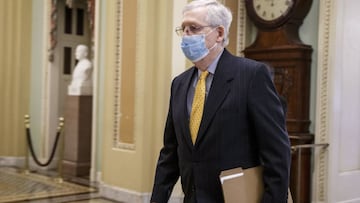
15, 40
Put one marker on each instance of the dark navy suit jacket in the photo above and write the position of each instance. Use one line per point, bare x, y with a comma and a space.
243, 125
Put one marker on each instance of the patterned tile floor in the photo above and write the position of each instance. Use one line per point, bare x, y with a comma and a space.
74, 199
100, 200
36, 188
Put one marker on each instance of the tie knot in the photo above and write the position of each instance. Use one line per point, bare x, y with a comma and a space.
203, 75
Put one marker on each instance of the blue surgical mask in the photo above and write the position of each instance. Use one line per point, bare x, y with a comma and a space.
194, 47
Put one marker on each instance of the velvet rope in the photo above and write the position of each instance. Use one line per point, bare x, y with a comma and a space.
28, 136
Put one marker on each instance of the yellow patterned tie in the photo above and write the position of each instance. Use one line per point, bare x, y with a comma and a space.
198, 105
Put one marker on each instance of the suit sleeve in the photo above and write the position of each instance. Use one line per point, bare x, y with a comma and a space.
167, 169
268, 118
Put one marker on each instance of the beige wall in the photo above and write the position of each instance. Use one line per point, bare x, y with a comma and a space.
15, 41
141, 29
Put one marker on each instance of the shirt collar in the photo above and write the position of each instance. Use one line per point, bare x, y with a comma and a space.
212, 67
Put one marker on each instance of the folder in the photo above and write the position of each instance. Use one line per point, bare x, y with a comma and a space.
244, 186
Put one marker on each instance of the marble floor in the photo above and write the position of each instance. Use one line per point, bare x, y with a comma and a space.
41, 187
94, 198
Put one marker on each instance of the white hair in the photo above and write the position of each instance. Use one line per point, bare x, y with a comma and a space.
217, 14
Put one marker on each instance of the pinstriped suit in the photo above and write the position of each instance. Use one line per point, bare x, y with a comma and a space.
243, 125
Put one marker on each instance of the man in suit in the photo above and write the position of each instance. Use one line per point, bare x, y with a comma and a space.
242, 123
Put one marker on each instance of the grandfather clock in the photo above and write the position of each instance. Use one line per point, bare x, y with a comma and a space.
278, 44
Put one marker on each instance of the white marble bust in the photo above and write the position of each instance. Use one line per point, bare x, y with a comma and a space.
81, 83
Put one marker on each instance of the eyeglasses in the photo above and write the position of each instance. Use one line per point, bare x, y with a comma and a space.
191, 28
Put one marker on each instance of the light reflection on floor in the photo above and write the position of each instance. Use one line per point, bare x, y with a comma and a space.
16, 183
94, 198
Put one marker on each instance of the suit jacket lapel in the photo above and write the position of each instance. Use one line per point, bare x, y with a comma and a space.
220, 87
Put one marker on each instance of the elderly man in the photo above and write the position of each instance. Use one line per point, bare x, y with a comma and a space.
224, 113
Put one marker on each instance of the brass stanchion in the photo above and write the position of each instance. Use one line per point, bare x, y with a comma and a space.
27, 128
61, 150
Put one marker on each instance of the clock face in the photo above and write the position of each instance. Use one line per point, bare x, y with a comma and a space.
270, 10
272, 14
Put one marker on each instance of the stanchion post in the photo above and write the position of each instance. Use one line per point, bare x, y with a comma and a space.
27, 129
61, 149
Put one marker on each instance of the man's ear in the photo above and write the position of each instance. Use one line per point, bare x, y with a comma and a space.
221, 33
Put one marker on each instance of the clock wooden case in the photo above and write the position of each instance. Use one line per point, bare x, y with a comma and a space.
278, 44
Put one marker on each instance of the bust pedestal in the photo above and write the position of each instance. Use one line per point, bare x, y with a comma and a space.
81, 90
77, 141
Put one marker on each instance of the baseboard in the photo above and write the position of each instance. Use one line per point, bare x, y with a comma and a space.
128, 196
9, 161
19, 162
95, 176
